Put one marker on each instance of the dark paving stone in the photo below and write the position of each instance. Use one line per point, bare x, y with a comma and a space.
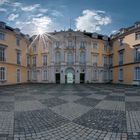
132, 106
23, 98
134, 136
37, 121
84, 94
132, 94
51, 102
115, 98
87, 101
6, 106
102, 93
57, 94
105, 120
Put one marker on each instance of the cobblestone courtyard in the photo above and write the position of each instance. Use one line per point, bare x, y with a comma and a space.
69, 112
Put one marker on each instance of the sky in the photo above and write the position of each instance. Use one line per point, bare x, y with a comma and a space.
38, 16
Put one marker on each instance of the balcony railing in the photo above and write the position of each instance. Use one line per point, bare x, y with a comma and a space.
44, 64
95, 64
19, 62
82, 47
70, 47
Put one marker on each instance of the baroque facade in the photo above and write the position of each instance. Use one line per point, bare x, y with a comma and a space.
70, 57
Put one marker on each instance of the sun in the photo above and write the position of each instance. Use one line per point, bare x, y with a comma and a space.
40, 31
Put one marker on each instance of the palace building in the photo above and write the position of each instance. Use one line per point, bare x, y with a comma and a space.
70, 57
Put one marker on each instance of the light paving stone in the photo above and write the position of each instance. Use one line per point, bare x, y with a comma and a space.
70, 98
6, 122
97, 96
71, 110
42, 96
7, 98
28, 105
132, 98
133, 121
111, 105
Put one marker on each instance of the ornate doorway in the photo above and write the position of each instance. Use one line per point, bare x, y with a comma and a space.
69, 76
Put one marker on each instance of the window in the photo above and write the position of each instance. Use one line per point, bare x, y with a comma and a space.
121, 55
110, 60
34, 60
44, 59
95, 75
137, 36
18, 75
34, 75
2, 53
70, 58
95, 46
57, 57
2, 36
95, 59
121, 41
2, 74
111, 75
28, 75
18, 57
18, 41
106, 46
105, 60
28, 60
137, 73
105, 75
69, 43
57, 44
83, 44
34, 49
121, 74
82, 58
137, 54
45, 75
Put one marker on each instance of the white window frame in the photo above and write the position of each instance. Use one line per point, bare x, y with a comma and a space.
44, 59
5, 72
137, 73
2, 36
121, 74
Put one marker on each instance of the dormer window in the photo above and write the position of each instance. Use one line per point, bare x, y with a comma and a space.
137, 36
57, 44
70, 43
18, 41
2, 36
121, 41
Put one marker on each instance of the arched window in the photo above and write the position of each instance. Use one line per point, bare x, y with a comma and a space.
70, 58
57, 57
82, 58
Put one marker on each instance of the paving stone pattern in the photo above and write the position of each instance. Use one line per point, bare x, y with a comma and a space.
69, 112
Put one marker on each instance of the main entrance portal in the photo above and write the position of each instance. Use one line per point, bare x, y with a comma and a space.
69, 75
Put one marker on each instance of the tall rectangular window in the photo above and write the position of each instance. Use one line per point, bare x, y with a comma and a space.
18, 57
105, 60
18, 41
34, 61
121, 57
121, 74
45, 75
2, 74
110, 60
34, 48
111, 75
34, 75
28, 60
2, 53
137, 36
2, 36
44, 59
137, 73
121, 41
28, 75
95, 59
95, 45
137, 54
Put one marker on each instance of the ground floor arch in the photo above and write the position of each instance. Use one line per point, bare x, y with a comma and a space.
69, 75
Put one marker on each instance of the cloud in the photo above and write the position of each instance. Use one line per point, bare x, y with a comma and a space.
3, 2
30, 8
92, 20
3, 10
56, 13
42, 10
12, 17
37, 24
